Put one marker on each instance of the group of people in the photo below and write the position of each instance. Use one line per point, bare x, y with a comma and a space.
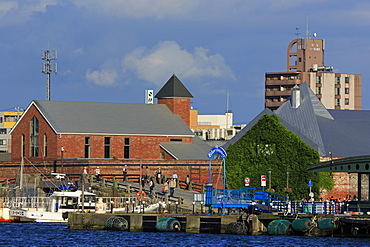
169, 184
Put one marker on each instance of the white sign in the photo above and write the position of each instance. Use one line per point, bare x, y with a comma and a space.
263, 180
149, 96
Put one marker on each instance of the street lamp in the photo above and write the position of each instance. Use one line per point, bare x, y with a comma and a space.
177, 203
62, 154
269, 171
127, 202
193, 207
201, 207
143, 206
169, 207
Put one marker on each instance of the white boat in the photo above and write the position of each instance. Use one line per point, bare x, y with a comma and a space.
54, 208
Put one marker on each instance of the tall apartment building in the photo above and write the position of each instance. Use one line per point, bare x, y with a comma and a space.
305, 63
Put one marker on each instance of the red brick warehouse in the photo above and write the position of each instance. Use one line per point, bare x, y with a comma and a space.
113, 134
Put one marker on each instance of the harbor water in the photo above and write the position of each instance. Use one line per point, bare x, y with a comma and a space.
43, 234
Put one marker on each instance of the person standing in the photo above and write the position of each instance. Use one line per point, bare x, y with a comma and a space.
172, 185
175, 178
151, 185
187, 182
147, 173
158, 176
124, 171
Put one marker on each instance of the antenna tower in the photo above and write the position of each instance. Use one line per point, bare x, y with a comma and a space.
48, 68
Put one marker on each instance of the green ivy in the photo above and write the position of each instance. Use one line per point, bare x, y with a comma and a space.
269, 145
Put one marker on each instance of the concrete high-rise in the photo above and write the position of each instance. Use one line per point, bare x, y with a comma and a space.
305, 63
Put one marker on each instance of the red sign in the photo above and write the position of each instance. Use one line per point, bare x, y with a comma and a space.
246, 181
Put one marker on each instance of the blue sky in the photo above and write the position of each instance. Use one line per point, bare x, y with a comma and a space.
113, 50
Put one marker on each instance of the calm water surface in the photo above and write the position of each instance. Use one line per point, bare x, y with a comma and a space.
41, 234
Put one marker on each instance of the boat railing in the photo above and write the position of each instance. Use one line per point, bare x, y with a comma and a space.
25, 202
117, 202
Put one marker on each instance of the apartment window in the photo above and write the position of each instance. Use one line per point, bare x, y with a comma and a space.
175, 140
45, 145
106, 147
337, 91
2, 131
1, 119
318, 90
346, 79
2, 142
346, 101
10, 119
346, 90
126, 149
87, 147
337, 102
34, 140
318, 79
337, 80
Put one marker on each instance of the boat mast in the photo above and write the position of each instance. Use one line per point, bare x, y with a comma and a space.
21, 175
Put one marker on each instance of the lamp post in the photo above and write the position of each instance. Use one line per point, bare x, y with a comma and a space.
127, 202
169, 207
177, 203
269, 171
193, 207
62, 154
143, 207
201, 207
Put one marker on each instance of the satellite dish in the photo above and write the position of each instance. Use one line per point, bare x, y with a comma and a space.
314, 35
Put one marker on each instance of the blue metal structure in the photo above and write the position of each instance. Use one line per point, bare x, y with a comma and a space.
268, 202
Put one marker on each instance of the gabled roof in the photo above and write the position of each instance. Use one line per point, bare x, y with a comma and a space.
111, 118
173, 89
197, 150
344, 133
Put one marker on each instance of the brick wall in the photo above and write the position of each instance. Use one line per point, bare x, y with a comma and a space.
180, 106
23, 128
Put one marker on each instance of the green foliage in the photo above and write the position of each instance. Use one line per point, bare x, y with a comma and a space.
269, 145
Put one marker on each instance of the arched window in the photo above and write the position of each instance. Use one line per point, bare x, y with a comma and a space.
34, 137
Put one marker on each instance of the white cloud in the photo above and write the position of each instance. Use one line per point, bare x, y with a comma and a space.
168, 58
19, 11
79, 51
104, 77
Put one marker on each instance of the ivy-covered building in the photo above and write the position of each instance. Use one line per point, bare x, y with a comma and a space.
334, 134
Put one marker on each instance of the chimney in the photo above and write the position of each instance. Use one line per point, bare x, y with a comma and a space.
296, 97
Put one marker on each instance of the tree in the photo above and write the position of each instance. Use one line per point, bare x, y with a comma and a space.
269, 145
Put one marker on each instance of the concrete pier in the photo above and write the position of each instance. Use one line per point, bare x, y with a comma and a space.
146, 222
345, 225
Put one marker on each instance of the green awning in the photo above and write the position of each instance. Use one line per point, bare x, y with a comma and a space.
356, 164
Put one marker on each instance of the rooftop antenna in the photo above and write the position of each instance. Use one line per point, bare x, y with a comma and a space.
307, 32
297, 33
227, 108
48, 68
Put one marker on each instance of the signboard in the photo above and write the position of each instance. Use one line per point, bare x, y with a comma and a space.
310, 183
247, 181
149, 96
217, 150
263, 180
